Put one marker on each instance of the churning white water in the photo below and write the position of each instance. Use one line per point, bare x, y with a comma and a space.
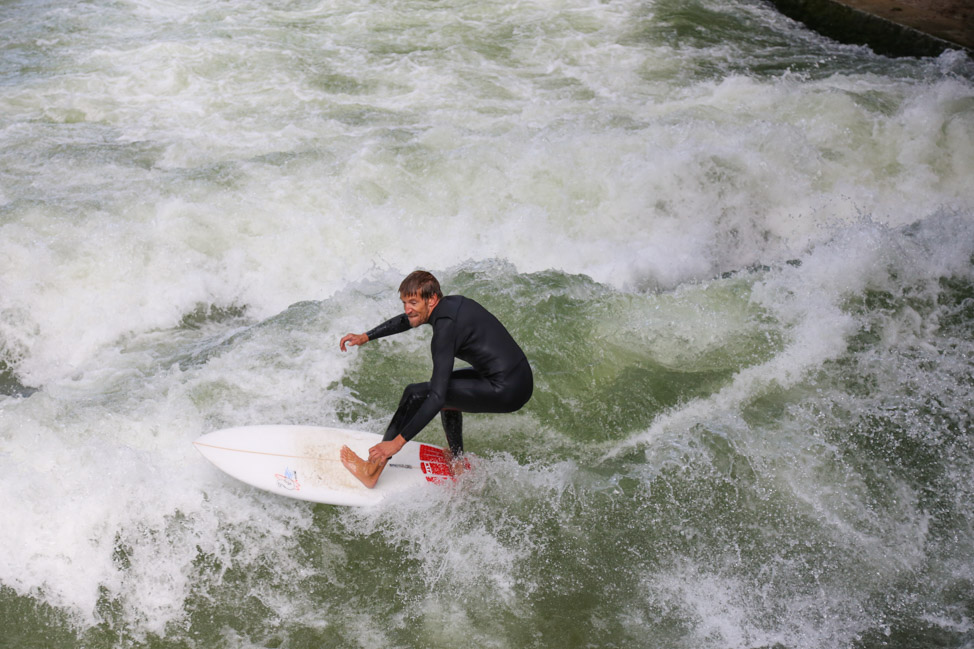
738, 255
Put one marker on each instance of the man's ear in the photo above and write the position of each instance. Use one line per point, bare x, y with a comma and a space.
433, 301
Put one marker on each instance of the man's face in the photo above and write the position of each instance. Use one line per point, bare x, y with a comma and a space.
417, 309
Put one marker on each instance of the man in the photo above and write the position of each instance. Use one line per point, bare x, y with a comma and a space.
499, 379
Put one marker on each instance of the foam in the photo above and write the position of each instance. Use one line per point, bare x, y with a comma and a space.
162, 158
694, 188
721, 609
809, 303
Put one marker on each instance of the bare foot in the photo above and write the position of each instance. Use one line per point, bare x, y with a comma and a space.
367, 472
457, 463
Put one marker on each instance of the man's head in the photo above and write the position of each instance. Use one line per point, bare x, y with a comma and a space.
420, 293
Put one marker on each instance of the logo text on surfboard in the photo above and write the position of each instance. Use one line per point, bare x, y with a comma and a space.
288, 480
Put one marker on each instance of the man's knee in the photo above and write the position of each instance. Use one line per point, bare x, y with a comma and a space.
415, 391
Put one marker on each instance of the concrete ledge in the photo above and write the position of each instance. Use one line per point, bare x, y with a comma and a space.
890, 27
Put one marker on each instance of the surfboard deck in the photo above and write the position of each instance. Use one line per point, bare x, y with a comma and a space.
303, 462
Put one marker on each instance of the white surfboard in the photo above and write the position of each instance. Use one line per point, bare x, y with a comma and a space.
303, 462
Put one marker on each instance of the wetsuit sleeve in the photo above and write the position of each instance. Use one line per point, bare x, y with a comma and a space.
442, 348
391, 326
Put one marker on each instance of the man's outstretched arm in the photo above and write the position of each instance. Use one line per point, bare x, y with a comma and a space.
391, 326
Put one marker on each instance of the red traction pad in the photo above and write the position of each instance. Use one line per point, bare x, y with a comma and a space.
433, 462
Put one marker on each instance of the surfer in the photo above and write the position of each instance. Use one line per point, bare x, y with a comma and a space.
499, 379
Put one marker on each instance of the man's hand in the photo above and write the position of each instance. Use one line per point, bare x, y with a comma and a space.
354, 340
384, 450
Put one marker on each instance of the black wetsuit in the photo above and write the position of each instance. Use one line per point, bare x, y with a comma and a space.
499, 379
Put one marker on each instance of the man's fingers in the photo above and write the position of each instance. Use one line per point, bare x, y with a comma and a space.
353, 340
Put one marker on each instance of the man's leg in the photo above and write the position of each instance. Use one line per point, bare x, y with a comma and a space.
453, 427
367, 471
412, 399
470, 392
467, 391
452, 419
